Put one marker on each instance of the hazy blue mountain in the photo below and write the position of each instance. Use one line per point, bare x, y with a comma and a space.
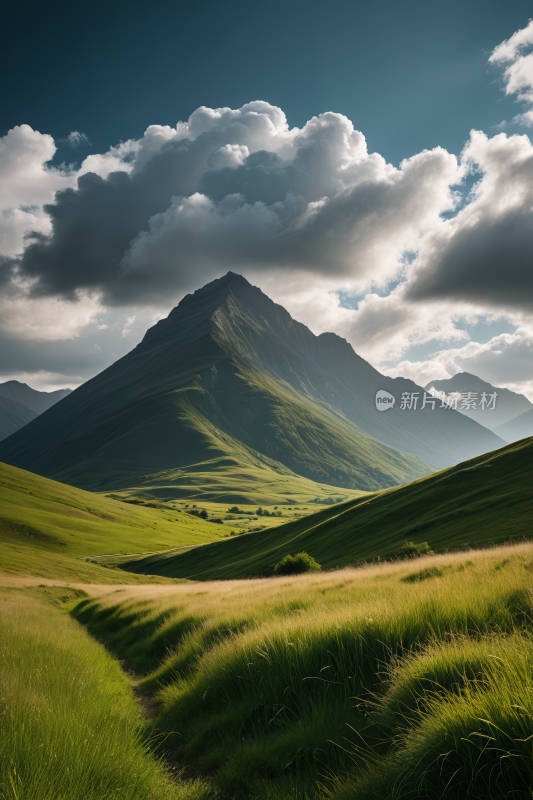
229, 379
31, 398
508, 404
19, 404
13, 416
518, 428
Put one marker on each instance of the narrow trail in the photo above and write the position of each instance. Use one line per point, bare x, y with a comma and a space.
149, 708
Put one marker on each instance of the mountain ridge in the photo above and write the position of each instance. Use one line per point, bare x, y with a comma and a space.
229, 377
520, 427
509, 404
20, 404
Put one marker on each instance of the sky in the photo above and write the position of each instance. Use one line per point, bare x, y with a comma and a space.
369, 166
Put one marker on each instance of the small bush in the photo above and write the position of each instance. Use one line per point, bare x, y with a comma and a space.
294, 565
411, 549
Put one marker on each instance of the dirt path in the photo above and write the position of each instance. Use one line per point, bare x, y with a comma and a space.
149, 708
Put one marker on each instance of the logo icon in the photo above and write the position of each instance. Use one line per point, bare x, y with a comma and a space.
384, 400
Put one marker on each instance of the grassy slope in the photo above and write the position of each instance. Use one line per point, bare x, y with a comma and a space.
226, 481
487, 499
264, 684
45, 525
69, 723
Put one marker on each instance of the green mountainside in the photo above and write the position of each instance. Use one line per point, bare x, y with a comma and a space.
485, 500
230, 381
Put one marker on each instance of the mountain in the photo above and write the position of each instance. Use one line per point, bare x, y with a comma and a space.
19, 404
483, 501
13, 416
31, 398
230, 382
518, 428
508, 404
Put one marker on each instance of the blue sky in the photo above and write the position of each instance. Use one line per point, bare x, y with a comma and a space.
410, 75
395, 258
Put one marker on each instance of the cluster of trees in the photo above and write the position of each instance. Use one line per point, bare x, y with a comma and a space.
202, 513
260, 512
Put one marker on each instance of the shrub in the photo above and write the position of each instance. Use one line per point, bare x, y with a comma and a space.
294, 565
411, 549
203, 514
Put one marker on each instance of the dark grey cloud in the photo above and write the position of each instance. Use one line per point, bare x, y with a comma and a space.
234, 189
484, 255
93, 224
489, 264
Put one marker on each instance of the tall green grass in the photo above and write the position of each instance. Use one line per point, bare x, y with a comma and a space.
69, 725
352, 683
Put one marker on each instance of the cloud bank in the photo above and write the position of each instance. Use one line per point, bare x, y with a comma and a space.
233, 188
95, 252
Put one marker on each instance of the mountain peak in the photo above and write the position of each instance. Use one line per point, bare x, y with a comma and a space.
194, 313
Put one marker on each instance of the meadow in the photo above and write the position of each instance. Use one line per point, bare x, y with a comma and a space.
46, 527
70, 726
407, 679
480, 502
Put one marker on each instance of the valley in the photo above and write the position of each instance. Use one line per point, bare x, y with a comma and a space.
158, 639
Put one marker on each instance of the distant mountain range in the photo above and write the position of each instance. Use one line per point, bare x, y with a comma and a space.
507, 406
520, 427
230, 382
20, 404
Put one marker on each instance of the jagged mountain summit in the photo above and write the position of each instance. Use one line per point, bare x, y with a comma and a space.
230, 381
507, 404
19, 404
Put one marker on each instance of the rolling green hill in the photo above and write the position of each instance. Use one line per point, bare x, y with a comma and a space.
45, 526
230, 379
485, 500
